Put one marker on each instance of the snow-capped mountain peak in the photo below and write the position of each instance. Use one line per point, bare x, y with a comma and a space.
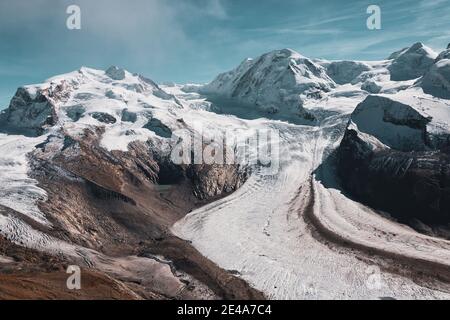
274, 82
411, 63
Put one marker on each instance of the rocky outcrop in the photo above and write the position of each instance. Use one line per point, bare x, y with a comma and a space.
119, 199
397, 53
443, 55
115, 73
346, 71
216, 180
371, 86
103, 117
28, 114
273, 83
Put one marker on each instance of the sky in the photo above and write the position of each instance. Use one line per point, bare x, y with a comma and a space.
194, 40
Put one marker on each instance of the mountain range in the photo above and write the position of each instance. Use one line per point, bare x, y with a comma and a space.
363, 179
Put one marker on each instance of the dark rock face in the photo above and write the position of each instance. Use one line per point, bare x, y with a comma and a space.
443, 55
75, 112
158, 128
103, 117
27, 114
409, 185
396, 54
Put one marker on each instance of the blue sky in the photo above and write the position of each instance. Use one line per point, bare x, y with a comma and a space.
194, 40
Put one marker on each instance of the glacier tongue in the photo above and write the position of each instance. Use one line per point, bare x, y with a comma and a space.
20, 192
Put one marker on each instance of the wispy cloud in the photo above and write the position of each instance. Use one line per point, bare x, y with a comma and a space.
192, 40
215, 8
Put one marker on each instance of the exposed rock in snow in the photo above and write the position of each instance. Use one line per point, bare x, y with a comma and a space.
29, 113
371, 86
275, 82
115, 73
412, 63
346, 71
103, 117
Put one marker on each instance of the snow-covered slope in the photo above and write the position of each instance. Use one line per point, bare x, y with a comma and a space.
436, 80
411, 63
86, 160
394, 156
